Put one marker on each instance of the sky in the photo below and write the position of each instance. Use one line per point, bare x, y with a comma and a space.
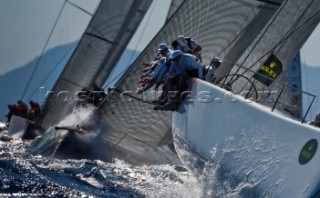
25, 30
26, 26
310, 56
310, 50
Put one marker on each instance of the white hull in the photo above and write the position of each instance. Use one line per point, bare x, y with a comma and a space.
239, 145
18, 125
24, 128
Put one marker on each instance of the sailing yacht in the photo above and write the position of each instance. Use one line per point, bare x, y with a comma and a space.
248, 141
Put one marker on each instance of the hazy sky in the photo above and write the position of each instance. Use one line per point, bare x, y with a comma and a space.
153, 21
310, 53
26, 26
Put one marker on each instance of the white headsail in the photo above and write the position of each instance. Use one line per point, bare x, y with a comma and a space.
98, 51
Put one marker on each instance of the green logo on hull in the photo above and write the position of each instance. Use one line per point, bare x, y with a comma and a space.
308, 151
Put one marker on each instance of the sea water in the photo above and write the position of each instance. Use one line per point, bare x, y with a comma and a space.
24, 175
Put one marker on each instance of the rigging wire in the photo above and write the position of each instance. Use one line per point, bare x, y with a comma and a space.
284, 39
296, 23
43, 50
306, 80
121, 73
292, 30
132, 54
289, 33
169, 19
143, 31
51, 71
115, 78
59, 62
80, 8
260, 38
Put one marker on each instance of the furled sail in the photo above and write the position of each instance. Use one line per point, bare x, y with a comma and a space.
102, 44
224, 28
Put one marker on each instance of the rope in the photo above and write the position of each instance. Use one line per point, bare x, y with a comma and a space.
43, 50
306, 81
